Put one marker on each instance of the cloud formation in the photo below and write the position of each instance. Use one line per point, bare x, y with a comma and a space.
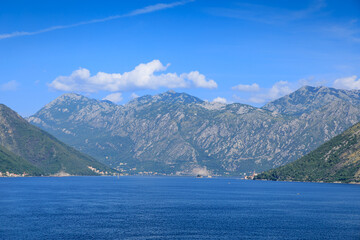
114, 97
142, 77
279, 89
282, 88
352, 82
247, 88
9, 86
148, 9
261, 95
220, 100
134, 95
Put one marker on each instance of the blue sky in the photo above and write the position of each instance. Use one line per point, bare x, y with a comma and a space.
236, 51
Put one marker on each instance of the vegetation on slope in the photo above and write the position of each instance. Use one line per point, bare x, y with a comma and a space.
40, 149
337, 160
9, 162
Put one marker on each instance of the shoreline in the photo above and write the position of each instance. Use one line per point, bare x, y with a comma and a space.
230, 177
336, 182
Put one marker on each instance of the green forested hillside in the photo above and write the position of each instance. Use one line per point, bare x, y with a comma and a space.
28, 148
9, 162
337, 160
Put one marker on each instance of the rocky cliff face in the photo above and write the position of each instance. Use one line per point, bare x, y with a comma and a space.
175, 132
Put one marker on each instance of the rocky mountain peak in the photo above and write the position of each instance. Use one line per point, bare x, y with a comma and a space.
307, 99
71, 96
174, 97
66, 99
169, 97
76, 100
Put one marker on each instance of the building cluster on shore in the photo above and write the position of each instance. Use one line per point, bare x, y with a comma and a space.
9, 174
99, 172
250, 177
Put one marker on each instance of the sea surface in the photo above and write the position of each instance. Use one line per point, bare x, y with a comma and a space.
176, 208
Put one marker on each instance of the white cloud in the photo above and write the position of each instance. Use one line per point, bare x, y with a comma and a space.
352, 82
114, 97
9, 86
220, 100
282, 88
134, 95
148, 9
142, 77
247, 88
199, 80
279, 89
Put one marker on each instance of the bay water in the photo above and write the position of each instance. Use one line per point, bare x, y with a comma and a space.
137, 207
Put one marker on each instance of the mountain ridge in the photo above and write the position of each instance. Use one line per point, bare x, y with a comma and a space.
177, 132
296, 103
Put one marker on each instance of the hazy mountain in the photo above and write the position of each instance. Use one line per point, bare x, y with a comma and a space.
337, 160
25, 147
175, 132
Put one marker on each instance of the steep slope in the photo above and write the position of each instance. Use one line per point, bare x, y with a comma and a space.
40, 149
175, 132
337, 160
11, 163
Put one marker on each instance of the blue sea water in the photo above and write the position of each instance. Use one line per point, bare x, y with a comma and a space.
176, 208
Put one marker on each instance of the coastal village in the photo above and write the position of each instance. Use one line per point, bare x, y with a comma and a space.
144, 173
250, 177
10, 174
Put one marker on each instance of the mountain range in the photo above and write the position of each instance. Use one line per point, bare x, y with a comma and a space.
28, 150
176, 133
